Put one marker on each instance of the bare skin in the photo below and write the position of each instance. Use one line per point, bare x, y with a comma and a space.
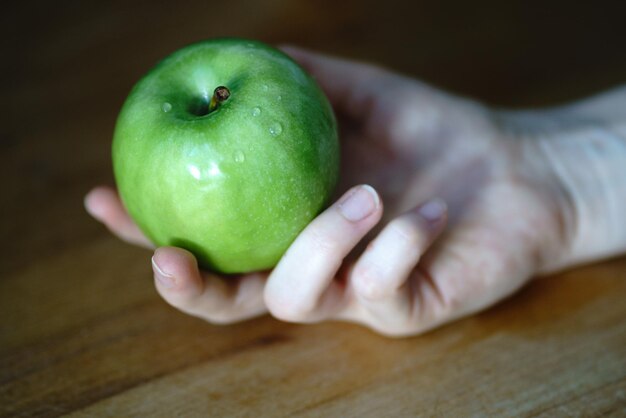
450, 207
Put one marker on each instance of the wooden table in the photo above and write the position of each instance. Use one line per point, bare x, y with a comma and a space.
82, 330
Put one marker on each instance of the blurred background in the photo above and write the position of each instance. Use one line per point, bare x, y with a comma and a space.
67, 67
65, 71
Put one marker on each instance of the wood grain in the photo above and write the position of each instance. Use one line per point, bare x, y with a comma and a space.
82, 330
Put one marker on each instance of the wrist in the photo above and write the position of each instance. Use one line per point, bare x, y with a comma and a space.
580, 152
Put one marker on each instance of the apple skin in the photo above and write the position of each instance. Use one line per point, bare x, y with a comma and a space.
234, 186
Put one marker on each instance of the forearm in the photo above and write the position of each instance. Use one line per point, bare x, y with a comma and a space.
584, 147
590, 161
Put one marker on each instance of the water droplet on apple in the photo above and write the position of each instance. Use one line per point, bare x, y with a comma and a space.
279, 98
265, 87
256, 111
239, 157
276, 129
250, 45
194, 171
166, 107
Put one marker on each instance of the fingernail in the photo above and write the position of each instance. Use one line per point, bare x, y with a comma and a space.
93, 211
165, 279
432, 210
358, 203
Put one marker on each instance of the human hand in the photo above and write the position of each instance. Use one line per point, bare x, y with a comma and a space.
470, 214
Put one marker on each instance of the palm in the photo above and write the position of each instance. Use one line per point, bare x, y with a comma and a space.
415, 143
436, 145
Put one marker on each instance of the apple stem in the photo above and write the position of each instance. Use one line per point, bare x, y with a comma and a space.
220, 95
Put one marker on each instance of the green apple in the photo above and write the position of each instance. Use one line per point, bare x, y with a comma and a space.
227, 148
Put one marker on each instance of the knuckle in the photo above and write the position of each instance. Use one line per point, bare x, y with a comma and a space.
220, 318
289, 310
399, 332
398, 328
366, 281
452, 304
322, 243
407, 232
218, 314
290, 313
176, 298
